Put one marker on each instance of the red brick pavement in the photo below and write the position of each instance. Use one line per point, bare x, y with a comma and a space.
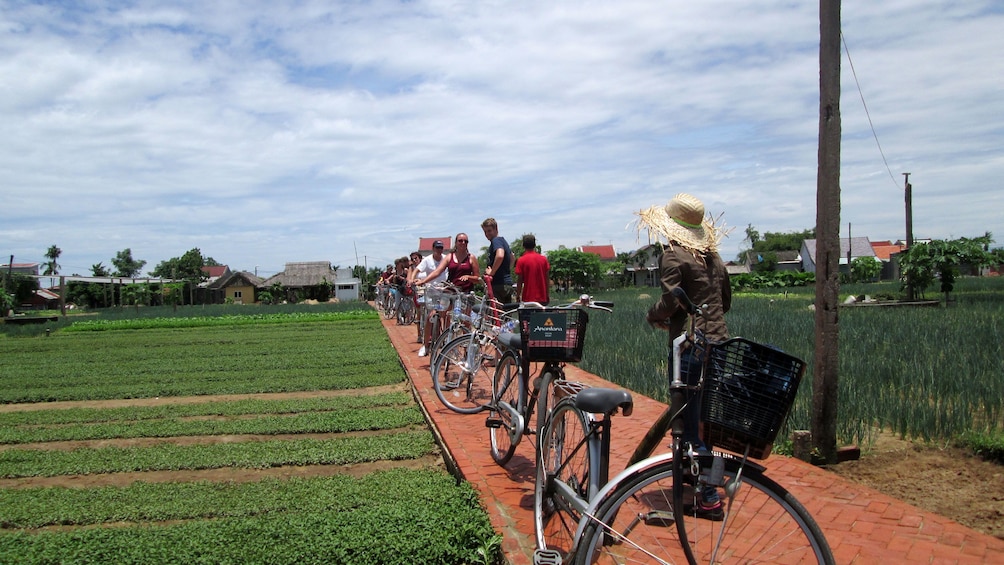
862, 525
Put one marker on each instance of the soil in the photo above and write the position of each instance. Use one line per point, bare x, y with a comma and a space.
942, 479
949, 481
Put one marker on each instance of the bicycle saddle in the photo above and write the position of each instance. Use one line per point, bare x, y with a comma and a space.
604, 401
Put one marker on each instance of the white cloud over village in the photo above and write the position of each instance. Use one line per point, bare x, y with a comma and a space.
268, 132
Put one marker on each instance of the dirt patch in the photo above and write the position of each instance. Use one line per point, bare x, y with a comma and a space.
946, 480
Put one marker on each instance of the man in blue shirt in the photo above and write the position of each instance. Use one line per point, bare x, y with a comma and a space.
500, 261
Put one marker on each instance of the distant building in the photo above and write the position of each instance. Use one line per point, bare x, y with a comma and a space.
604, 252
20, 268
849, 249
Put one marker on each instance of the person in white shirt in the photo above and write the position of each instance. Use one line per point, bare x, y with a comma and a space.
425, 268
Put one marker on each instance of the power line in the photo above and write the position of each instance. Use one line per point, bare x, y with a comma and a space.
867, 113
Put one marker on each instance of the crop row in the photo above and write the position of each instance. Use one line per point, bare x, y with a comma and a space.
64, 416
337, 520
17, 462
312, 422
197, 361
206, 321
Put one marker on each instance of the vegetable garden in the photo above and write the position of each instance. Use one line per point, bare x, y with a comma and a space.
923, 372
275, 438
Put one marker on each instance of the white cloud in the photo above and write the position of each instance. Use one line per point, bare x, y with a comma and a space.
263, 132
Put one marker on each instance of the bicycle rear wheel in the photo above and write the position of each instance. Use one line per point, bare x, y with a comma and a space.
763, 523
505, 431
462, 376
563, 457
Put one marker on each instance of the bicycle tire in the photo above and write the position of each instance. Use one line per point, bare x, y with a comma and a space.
505, 435
764, 523
464, 389
563, 456
449, 333
406, 312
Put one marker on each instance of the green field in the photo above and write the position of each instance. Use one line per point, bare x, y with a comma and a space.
341, 470
924, 372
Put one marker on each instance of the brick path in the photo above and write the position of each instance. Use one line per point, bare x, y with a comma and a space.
862, 525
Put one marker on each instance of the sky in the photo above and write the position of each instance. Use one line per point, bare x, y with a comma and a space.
264, 132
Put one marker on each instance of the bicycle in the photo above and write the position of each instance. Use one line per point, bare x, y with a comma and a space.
648, 512
406, 307
461, 372
554, 336
438, 301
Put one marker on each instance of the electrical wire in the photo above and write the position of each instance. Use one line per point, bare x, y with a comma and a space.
867, 113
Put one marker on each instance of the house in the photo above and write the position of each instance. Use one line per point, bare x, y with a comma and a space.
605, 252
42, 299
305, 280
238, 287
20, 268
214, 273
642, 266
851, 248
346, 285
425, 244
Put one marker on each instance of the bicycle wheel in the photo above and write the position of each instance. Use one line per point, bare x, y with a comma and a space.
505, 430
462, 377
562, 460
763, 523
406, 311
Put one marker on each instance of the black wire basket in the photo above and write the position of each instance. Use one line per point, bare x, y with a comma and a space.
748, 390
553, 334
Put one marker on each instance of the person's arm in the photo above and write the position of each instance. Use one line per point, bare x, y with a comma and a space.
474, 266
500, 256
670, 277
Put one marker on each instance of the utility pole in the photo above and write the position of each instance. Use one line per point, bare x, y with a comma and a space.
908, 196
908, 191
825, 374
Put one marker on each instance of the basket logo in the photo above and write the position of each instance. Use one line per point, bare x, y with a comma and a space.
550, 327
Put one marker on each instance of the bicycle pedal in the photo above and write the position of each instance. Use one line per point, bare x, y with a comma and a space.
546, 557
493, 423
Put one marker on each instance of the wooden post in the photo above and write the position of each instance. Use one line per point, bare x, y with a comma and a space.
824, 385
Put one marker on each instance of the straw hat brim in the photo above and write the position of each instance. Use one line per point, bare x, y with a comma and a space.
705, 238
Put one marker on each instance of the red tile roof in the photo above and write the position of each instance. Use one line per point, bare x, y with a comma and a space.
884, 252
604, 251
425, 243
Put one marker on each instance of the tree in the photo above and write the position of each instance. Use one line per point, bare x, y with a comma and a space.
125, 265
51, 266
940, 259
865, 269
187, 268
572, 269
99, 270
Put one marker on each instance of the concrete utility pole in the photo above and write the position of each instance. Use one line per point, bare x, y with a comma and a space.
824, 384
908, 197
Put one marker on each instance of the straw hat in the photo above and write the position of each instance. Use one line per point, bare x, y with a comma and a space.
682, 222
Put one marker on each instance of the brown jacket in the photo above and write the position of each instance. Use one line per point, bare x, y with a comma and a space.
706, 282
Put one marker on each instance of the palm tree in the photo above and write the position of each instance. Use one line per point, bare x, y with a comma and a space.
51, 266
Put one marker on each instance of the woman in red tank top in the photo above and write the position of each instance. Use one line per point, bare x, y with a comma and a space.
461, 266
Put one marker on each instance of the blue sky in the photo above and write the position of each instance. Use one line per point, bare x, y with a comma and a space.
269, 132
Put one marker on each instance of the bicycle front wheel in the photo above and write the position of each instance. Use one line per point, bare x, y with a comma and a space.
562, 482
462, 376
506, 431
762, 523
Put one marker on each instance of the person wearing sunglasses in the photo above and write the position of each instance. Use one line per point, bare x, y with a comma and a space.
460, 265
